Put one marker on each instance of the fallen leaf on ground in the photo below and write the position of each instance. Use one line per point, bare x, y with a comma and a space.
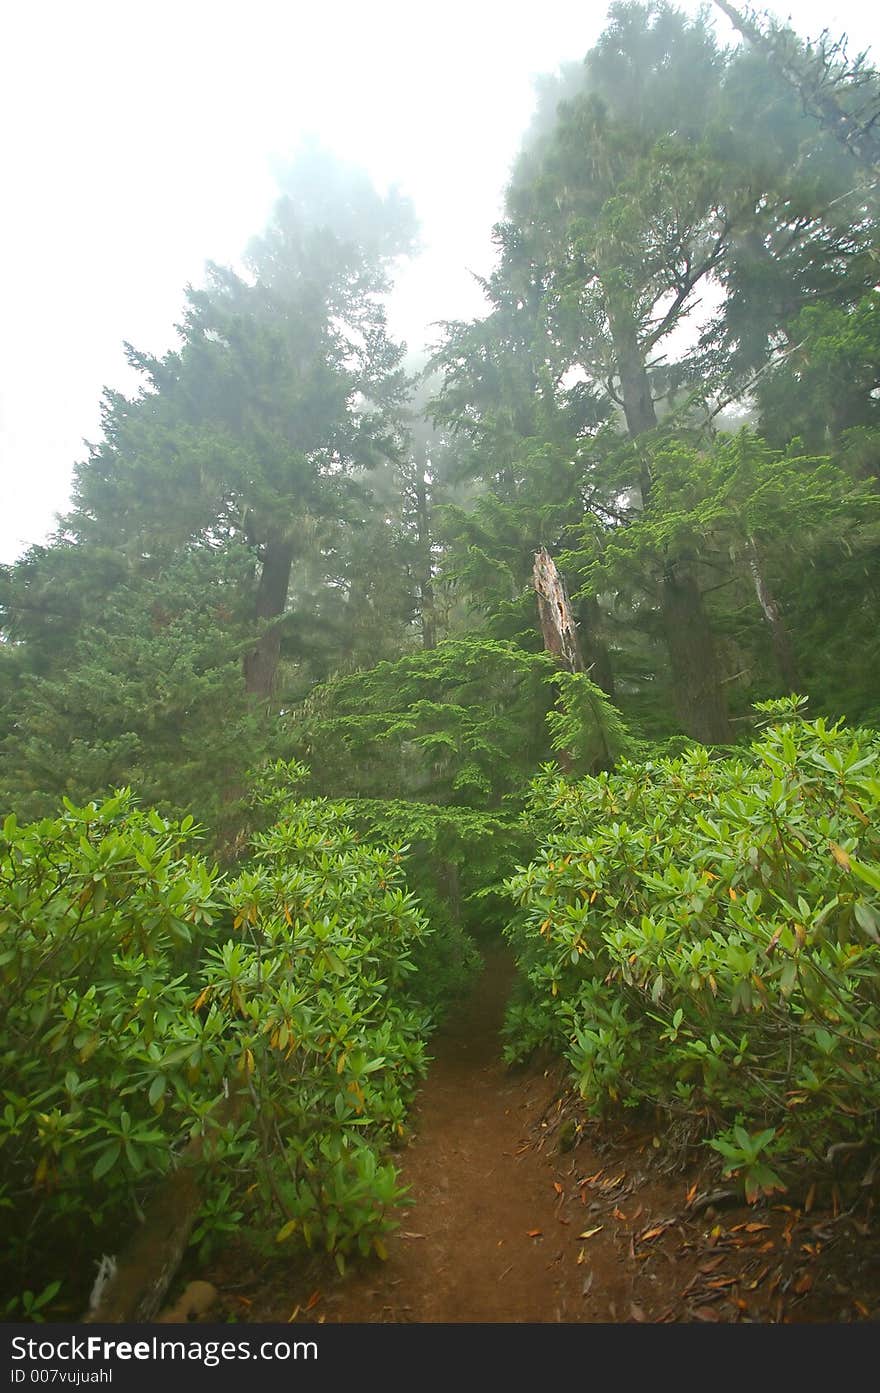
611, 1184
637, 1312
706, 1313
313, 1300
557, 1187
535, 1233
652, 1233
588, 1233
590, 1179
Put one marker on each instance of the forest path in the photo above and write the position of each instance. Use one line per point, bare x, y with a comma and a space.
506, 1226
480, 1189
492, 1234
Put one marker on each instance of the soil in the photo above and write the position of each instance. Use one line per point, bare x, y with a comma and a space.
521, 1212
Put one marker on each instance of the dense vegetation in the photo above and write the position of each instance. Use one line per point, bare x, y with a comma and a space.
280, 742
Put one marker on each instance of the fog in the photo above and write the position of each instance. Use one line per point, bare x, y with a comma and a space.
142, 142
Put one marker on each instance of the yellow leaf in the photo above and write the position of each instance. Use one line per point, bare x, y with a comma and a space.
286, 1230
588, 1233
381, 1250
201, 999
840, 855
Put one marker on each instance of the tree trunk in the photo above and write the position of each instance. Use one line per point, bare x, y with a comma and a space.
426, 574
782, 648
554, 612
597, 659
696, 679
261, 664
699, 696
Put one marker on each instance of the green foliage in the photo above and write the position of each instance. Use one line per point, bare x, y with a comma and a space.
103, 1066
703, 935
461, 724
328, 1038
290, 1047
146, 689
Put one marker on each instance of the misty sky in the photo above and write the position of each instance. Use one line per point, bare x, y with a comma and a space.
139, 142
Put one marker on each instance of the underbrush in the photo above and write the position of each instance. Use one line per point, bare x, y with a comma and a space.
702, 935
150, 1003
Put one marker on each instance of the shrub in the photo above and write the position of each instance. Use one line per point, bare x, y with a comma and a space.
103, 1065
703, 934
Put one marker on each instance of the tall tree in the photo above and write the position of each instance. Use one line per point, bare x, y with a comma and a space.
262, 426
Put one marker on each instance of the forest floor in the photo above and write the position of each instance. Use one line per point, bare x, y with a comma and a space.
506, 1224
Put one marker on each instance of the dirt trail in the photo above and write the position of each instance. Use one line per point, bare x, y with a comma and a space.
506, 1226
486, 1239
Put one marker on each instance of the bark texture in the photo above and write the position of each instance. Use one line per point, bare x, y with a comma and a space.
261, 664
699, 696
782, 649
554, 612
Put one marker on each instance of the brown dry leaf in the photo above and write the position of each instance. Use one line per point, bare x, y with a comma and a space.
768, 1246
706, 1313
803, 1283
313, 1300
404, 1234
611, 1184
861, 1308
758, 1280
618, 1213
652, 1233
588, 1233
756, 1228
809, 1201
557, 1187
590, 1179
535, 1233
691, 1195
719, 1282
711, 1265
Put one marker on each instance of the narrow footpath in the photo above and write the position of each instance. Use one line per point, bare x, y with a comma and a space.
506, 1224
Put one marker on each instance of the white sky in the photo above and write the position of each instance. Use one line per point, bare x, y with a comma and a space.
138, 141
